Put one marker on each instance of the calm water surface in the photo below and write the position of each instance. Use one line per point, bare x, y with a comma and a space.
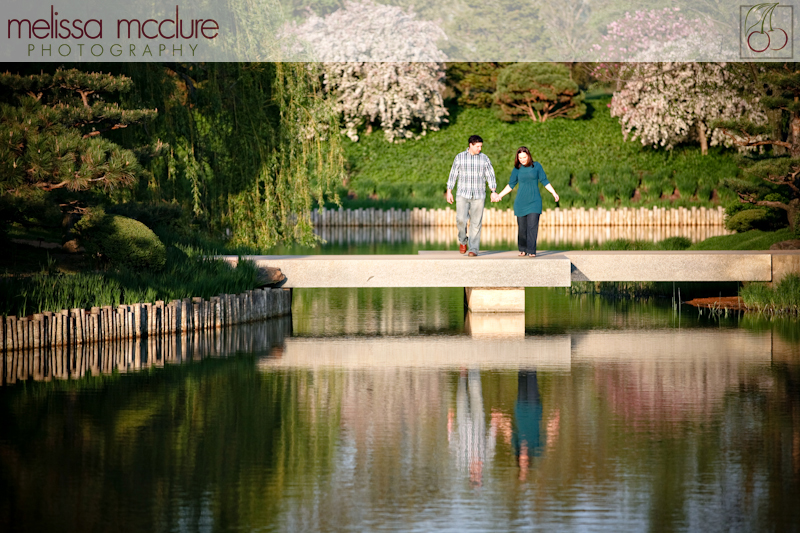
392, 410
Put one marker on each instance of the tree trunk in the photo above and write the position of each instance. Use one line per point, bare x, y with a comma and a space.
794, 135
701, 134
774, 116
794, 214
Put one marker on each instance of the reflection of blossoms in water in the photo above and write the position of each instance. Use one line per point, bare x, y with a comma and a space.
665, 395
382, 66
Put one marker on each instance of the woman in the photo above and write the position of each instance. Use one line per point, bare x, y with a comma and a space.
528, 204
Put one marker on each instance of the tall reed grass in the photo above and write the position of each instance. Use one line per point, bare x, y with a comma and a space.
189, 272
783, 297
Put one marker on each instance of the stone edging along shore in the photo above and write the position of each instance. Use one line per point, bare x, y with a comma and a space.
74, 327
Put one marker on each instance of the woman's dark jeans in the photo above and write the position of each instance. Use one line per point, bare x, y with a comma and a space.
528, 232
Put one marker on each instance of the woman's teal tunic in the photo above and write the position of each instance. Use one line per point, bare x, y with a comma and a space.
528, 198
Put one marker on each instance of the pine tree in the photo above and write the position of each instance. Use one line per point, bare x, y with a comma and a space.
52, 127
772, 179
538, 91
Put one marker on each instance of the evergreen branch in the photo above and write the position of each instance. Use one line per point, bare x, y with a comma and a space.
748, 198
788, 180
85, 97
99, 132
749, 140
769, 203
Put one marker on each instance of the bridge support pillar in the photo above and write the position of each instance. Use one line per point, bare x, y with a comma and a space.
495, 299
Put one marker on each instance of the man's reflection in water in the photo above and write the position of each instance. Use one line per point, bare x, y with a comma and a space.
470, 441
529, 438
474, 444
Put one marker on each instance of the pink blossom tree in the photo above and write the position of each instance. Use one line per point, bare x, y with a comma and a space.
638, 33
663, 104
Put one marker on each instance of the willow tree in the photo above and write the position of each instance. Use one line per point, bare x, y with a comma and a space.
253, 146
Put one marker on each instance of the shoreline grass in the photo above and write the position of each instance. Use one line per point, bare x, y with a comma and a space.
782, 298
188, 273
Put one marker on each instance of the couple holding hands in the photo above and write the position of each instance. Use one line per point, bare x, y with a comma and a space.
473, 171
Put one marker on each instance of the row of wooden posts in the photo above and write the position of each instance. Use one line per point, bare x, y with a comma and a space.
575, 216
74, 327
136, 354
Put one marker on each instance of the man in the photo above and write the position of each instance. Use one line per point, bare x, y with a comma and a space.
473, 170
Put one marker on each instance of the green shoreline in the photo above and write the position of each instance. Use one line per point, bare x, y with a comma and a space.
190, 274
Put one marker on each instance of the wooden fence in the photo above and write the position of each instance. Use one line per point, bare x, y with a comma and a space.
264, 338
76, 327
624, 216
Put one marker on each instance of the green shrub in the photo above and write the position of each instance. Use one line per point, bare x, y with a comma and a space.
625, 245
151, 215
675, 243
747, 220
749, 240
473, 84
123, 241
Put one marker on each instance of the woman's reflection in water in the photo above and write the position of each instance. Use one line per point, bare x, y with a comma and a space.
473, 443
529, 438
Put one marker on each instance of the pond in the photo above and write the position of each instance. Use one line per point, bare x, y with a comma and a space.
397, 410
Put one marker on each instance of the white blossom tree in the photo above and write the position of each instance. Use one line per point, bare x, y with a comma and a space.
382, 68
663, 104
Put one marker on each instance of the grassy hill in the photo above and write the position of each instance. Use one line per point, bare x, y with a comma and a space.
588, 162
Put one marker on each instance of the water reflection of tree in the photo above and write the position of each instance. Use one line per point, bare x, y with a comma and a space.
145, 452
701, 440
388, 311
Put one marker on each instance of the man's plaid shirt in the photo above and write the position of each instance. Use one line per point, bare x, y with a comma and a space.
472, 173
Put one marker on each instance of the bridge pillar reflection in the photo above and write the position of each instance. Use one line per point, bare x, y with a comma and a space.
495, 325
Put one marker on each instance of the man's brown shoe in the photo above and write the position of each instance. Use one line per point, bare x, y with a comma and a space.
473, 254
462, 248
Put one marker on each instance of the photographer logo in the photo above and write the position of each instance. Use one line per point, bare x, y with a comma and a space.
766, 31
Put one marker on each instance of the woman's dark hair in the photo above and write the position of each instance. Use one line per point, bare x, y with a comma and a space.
474, 139
520, 150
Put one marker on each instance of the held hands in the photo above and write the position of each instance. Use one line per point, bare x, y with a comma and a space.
496, 197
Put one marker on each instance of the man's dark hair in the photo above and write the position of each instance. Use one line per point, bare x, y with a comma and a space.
474, 139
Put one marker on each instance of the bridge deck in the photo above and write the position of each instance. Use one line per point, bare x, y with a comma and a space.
505, 269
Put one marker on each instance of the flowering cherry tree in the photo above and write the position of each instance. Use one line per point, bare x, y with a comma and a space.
382, 67
663, 104
639, 36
